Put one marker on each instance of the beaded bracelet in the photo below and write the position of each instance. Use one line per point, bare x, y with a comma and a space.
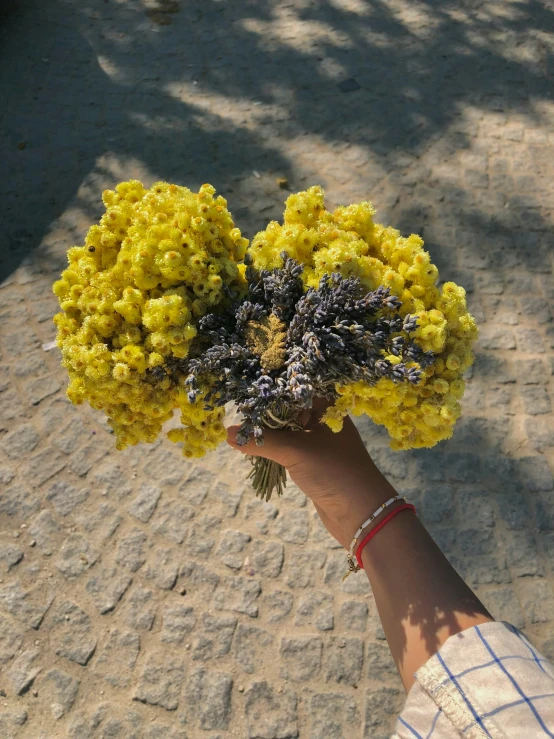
369, 537
352, 565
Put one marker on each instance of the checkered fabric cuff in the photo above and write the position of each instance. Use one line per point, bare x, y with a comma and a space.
487, 681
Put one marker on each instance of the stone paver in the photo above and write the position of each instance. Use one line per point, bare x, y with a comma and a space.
143, 596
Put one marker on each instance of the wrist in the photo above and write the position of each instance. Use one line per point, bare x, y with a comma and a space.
400, 505
361, 505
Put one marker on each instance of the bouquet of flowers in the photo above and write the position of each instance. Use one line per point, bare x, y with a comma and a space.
168, 307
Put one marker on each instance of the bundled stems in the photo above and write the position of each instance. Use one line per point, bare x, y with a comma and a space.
267, 476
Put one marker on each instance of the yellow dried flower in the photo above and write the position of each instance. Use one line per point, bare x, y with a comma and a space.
350, 242
131, 297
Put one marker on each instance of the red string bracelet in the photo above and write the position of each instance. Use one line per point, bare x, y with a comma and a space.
369, 537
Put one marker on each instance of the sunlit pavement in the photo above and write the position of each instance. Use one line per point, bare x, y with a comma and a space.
142, 596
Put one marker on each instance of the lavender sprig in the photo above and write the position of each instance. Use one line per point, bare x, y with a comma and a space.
276, 349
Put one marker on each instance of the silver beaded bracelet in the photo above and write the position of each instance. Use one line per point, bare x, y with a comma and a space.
352, 564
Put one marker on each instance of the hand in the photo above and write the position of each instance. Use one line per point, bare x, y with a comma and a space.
333, 469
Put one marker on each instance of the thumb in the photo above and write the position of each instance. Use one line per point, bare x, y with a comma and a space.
277, 445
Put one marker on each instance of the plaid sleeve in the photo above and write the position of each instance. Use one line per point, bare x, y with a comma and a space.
487, 681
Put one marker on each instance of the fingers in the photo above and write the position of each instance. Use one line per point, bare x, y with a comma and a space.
311, 417
320, 405
305, 417
287, 447
286, 444
277, 444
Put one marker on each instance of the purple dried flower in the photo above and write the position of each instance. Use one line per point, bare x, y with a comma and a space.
277, 348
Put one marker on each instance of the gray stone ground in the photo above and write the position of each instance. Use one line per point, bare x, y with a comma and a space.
142, 596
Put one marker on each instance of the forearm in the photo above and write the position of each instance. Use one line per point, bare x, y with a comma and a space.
421, 599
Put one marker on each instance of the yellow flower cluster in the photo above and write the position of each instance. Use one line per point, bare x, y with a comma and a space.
348, 241
131, 298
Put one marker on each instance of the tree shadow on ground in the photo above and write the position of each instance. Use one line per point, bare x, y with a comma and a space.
82, 81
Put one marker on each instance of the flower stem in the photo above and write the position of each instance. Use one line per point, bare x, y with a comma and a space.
267, 476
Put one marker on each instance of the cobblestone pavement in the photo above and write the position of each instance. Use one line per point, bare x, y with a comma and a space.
145, 597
